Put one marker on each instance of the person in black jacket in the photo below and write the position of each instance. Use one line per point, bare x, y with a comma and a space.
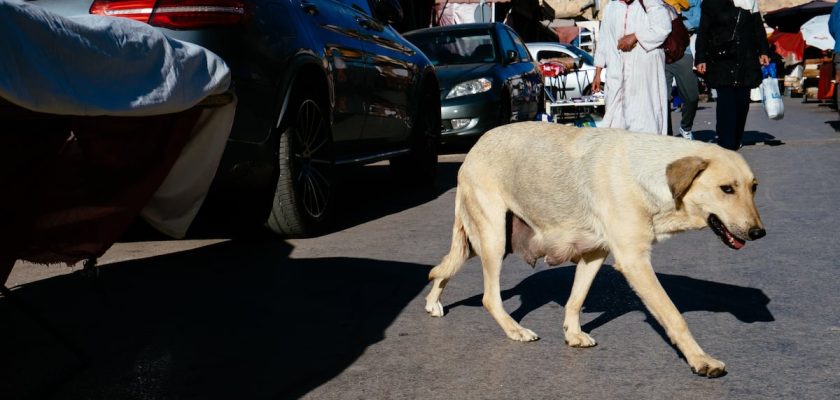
731, 47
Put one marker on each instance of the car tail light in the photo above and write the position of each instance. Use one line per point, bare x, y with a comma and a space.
175, 14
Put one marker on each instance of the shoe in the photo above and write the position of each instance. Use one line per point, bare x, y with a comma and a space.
686, 134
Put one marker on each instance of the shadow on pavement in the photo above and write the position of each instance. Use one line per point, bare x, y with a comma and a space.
363, 194
612, 296
227, 321
372, 192
834, 125
750, 138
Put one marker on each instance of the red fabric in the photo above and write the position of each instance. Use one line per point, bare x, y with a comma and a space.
552, 69
825, 89
566, 34
72, 185
791, 46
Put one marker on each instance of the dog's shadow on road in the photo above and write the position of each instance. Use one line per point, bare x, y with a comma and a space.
234, 320
612, 297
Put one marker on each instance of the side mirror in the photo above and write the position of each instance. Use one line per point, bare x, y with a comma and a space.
388, 11
511, 57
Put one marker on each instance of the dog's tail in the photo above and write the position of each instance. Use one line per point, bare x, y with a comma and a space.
460, 249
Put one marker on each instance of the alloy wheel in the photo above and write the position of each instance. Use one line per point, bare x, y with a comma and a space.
311, 160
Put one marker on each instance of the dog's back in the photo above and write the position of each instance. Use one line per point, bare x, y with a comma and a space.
564, 169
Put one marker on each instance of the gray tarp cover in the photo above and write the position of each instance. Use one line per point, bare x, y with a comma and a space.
96, 65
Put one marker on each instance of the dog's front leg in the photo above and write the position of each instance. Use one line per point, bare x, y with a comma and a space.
639, 273
585, 272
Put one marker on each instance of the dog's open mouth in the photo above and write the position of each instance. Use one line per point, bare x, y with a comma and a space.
728, 238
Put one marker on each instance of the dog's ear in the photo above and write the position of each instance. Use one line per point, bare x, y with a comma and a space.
681, 174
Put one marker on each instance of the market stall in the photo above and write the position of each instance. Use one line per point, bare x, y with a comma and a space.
105, 119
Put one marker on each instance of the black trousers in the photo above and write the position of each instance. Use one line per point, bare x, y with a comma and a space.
733, 103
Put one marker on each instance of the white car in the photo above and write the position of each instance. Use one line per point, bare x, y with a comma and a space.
574, 84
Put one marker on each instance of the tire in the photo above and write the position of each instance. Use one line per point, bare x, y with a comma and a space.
420, 166
303, 197
505, 110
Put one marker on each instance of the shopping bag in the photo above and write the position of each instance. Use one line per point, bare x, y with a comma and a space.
587, 121
771, 97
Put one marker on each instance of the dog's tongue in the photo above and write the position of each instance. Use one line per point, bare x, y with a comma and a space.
736, 243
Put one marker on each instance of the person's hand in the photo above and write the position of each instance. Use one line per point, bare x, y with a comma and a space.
596, 83
763, 59
627, 42
701, 68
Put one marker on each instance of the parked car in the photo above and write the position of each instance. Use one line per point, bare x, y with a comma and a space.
487, 78
320, 84
578, 81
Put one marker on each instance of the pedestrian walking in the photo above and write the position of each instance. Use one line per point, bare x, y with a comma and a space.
682, 72
731, 47
834, 31
636, 97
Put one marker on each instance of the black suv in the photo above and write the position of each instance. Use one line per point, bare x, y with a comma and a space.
320, 83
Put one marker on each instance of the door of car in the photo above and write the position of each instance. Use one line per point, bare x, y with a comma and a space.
392, 77
525, 82
345, 51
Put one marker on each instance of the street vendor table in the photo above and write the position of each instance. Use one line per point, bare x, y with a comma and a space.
571, 109
557, 102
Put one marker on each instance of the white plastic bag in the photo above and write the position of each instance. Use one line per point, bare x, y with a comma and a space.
771, 98
755, 94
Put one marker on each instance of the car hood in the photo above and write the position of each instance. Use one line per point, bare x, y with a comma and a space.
451, 75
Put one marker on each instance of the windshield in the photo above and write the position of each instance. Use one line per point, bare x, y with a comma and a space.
457, 46
587, 58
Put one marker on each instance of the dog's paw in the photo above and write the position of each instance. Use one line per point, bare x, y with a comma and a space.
580, 339
434, 309
707, 366
522, 335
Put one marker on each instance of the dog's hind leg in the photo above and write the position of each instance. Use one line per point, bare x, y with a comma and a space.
459, 252
491, 231
585, 272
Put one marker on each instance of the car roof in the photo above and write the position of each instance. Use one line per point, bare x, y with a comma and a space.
456, 27
548, 44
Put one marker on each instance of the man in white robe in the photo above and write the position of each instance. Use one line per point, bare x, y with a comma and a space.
636, 94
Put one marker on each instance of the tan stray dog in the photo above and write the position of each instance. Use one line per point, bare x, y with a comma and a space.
579, 194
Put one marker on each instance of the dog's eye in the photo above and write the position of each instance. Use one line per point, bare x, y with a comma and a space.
727, 189
754, 187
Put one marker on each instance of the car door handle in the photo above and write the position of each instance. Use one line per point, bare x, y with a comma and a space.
308, 8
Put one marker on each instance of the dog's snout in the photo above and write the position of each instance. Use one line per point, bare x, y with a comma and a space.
757, 233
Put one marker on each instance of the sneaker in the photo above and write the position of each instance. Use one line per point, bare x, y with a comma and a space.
686, 134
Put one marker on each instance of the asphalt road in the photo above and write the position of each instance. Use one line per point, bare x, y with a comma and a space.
341, 316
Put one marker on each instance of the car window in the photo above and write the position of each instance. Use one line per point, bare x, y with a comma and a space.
553, 55
506, 43
587, 58
524, 56
458, 46
360, 5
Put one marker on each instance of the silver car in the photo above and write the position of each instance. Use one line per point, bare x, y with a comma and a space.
574, 84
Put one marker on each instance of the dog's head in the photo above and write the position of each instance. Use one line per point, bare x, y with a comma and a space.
721, 191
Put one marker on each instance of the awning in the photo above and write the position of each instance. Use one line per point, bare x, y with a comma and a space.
789, 19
